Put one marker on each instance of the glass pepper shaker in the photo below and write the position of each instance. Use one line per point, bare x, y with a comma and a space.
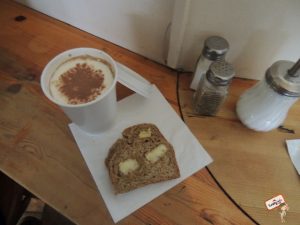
265, 106
214, 49
213, 88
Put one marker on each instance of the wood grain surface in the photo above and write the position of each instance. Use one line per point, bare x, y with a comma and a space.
251, 166
38, 151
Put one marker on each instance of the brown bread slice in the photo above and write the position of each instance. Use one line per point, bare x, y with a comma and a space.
151, 158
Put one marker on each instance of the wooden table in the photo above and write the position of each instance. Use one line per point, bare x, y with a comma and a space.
38, 151
252, 167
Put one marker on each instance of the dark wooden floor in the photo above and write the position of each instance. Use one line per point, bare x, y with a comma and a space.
13, 202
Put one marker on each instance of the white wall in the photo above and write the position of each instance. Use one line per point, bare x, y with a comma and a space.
138, 25
259, 32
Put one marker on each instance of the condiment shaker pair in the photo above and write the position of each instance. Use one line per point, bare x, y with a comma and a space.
212, 77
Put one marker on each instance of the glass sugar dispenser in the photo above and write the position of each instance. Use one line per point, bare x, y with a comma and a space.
265, 106
215, 48
213, 88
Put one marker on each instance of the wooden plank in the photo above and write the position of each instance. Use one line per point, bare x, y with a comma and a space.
251, 166
38, 151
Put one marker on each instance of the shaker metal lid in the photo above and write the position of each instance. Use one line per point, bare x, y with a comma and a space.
215, 47
279, 79
220, 72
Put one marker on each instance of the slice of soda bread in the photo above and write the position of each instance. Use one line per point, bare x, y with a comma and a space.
143, 156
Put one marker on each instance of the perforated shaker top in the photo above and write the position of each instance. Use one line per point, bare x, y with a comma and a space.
220, 73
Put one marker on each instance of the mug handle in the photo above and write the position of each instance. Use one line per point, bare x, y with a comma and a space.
134, 81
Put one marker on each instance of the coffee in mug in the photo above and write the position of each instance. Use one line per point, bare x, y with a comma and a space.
82, 82
81, 79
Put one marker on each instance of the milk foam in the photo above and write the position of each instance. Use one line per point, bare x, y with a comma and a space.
92, 62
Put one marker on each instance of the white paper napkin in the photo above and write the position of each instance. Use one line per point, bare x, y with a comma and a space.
294, 152
132, 110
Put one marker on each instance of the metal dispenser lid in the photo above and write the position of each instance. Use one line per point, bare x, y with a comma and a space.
284, 77
215, 47
220, 73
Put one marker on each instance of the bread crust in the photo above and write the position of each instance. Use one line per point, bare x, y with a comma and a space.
131, 146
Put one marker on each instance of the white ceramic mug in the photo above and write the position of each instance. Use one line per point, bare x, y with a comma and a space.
95, 116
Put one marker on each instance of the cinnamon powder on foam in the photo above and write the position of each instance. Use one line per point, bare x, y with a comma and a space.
81, 84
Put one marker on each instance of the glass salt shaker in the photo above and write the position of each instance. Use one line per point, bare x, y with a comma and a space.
265, 106
214, 49
213, 88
